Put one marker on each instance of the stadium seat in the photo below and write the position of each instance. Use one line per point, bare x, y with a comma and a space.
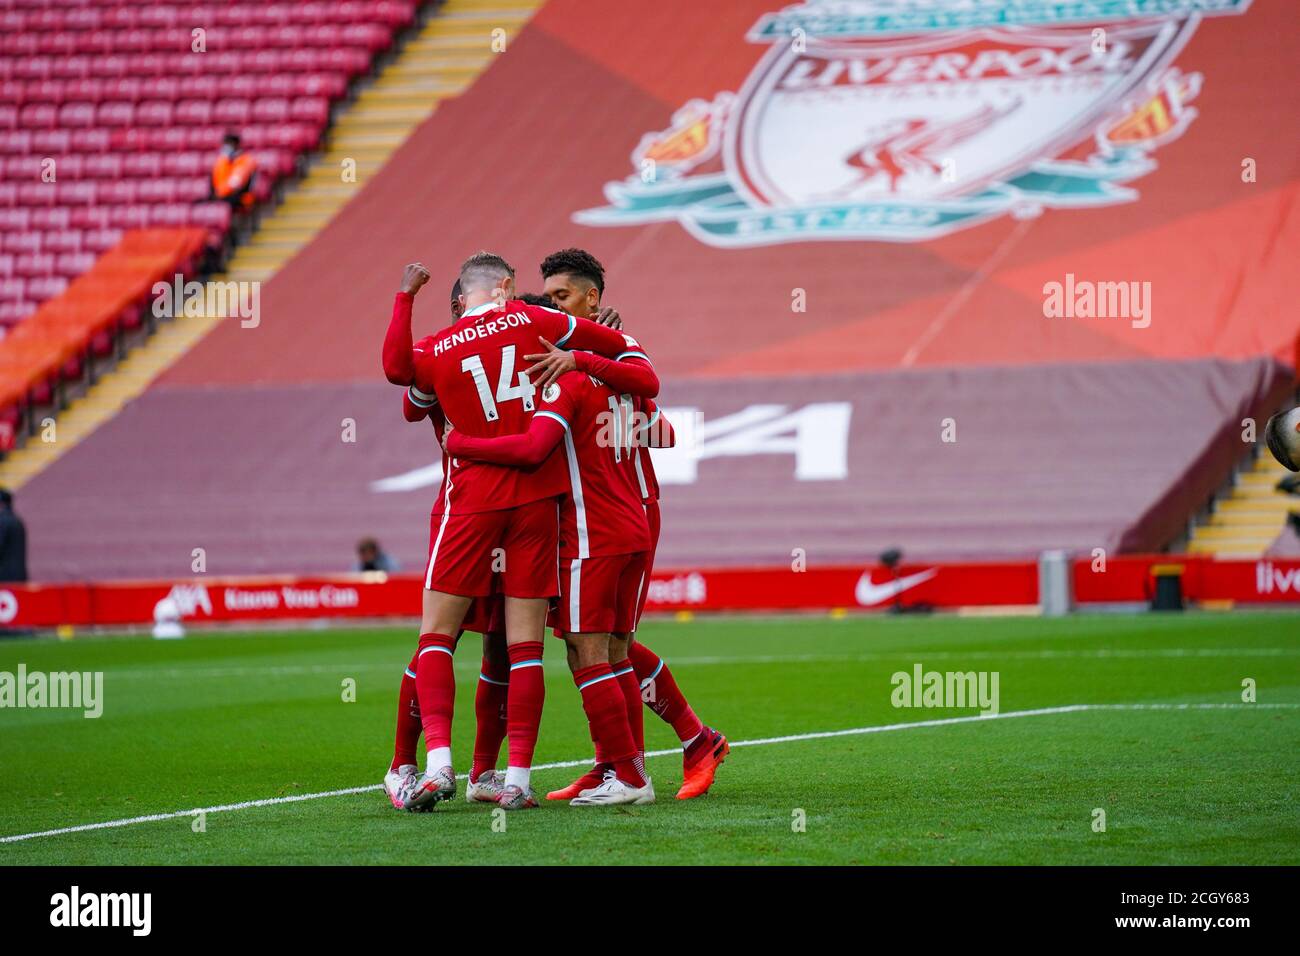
20, 242
57, 217
61, 241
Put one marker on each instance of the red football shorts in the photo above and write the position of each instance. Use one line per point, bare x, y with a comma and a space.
652, 518
516, 550
600, 595
486, 615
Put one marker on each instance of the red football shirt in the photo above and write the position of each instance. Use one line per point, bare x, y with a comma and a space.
475, 368
603, 513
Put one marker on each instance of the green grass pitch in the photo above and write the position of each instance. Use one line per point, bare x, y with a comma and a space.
222, 719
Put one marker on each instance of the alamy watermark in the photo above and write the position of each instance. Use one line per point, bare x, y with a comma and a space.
193, 299
1081, 299
946, 689
70, 690
75, 908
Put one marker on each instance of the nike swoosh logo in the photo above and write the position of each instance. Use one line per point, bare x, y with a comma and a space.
867, 592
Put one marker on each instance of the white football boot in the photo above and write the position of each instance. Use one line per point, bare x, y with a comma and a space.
486, 788
430, 789
614, 791
514, 797
398, 783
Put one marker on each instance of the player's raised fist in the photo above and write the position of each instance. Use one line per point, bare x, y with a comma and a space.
414, 276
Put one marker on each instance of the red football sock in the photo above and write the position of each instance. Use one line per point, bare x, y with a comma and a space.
607, 714
408, 720
631, 689
435, 682
663, 696
490, 715
524, 705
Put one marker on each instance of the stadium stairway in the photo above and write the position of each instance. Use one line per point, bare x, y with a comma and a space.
451, 49
1248, 519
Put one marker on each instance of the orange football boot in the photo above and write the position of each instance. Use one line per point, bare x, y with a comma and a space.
699, 774
592, 778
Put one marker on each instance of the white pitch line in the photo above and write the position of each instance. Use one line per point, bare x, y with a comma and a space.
763, 741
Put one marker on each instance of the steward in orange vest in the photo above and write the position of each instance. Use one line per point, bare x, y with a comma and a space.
232, 175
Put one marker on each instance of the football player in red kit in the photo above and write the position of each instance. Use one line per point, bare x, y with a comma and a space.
484, 617
575, 281
499, 527
604, 550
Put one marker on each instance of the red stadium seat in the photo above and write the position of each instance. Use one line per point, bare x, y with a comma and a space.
277, 85
15, 143
128, 217
206, 140
13, 312
200, 87
100, 240
141, 165
156, 191
21, 242
270, 111
232, 112
109, 67
77, 115
71, 67
154, 113
6, 265
185, 164
213, 216
36, 194
118, 193
193, 112
21, 168
126, 89
333, 85
55, 217
72, 166
44, 91
34, 265
242, 87
89, 141
192, 188
63, 241
89, 217
38, 116
76, 193
102, 166
52, 142
74, 263
310, 109
31, 67
115, 113
172, 215
86, 90
39, 290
